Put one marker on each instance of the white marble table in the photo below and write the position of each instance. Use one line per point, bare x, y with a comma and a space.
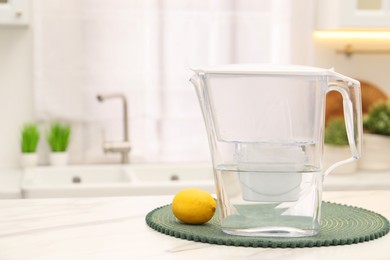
114, 228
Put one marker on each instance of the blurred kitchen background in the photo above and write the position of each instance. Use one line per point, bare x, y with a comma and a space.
56, 56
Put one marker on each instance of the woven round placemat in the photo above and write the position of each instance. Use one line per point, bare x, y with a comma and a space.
340, 225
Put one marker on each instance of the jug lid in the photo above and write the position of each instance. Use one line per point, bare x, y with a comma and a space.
264, 69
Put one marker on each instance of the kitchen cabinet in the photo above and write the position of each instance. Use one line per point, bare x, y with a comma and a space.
353, 14
14, 12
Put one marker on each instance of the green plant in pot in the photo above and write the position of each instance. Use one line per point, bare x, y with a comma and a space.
29, 142
376, 137
337, 145
335, 132
58, 139
377, 121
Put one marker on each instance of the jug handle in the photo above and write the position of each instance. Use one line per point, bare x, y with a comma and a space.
353, 118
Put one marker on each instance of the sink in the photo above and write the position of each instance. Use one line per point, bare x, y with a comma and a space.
115, 180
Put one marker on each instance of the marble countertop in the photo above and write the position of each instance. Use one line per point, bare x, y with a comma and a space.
115, 228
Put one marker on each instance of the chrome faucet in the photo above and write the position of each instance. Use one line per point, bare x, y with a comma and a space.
124, 146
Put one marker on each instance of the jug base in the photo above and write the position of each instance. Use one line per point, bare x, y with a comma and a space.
270, 232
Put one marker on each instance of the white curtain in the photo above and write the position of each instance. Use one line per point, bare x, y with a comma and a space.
145, 49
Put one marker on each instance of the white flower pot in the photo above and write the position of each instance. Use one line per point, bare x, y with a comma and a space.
58, 158
29, 160
333, 154
376, 152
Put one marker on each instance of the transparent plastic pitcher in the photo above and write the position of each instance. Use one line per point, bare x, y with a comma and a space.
265, 126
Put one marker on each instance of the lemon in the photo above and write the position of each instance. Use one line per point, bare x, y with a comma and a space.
193, 206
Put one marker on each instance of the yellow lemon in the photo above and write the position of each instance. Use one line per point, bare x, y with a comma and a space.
193, 206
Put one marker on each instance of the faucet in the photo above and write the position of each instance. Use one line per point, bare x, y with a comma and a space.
124, 146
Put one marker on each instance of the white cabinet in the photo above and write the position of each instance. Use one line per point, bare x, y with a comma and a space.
353, 14
14, 12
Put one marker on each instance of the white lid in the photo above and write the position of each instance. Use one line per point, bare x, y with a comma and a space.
269, 69
263, 69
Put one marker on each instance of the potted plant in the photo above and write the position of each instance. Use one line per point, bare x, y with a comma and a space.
29, 142
337, 146
376, 137
58, 139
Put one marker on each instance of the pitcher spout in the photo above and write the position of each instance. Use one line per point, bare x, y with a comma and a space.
195, 80
198, 83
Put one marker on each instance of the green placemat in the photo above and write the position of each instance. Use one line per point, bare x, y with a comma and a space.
340, 225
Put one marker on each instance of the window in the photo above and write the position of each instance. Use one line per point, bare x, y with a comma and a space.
145, 49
